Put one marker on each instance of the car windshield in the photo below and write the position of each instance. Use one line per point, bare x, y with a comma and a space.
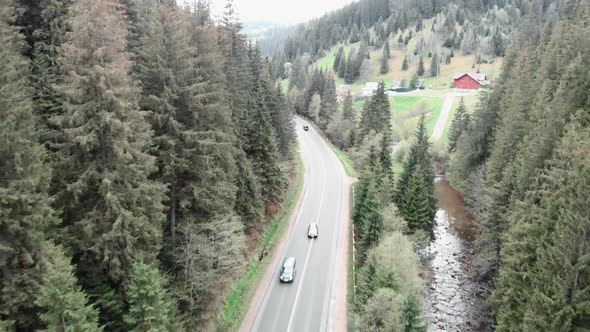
288, 270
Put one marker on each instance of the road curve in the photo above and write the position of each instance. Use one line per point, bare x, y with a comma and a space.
315, 300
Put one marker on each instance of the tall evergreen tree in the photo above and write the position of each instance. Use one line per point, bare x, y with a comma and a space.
417, 177
420, 70
261, 141
384, 68
349, 69
434, 65
458, 125
238, 76
545, 251
341, 70
338, 58
64, 305
150, 306
329, 104
377, 116
371, 219
25, 212
417, 206
47, 74
113, 211
405, 65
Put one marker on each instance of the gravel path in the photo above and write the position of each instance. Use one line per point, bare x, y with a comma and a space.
441, 123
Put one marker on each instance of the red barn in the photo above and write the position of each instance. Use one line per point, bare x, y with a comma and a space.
469, 81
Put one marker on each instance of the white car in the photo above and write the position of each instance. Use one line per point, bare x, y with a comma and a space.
312, 231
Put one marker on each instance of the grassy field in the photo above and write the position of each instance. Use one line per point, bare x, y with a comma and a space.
239, 299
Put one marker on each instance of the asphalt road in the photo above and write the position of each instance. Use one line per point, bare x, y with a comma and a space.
308, 303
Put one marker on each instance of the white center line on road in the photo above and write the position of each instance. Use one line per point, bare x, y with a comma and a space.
302, 278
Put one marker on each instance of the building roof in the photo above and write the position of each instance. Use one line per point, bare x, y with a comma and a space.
476, 76
371, 85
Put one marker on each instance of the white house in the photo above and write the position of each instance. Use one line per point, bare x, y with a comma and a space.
369, 88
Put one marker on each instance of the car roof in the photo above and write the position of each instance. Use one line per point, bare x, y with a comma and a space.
289, 261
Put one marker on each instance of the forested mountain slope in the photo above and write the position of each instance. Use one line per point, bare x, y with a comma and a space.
523, 164
140, 142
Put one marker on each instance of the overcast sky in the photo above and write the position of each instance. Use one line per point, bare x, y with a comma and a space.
280, 11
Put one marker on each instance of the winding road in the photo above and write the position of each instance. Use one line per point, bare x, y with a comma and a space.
316, 300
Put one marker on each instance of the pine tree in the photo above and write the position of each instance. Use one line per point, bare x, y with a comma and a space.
434, 65
341, 70
458, 125
329, 104
386, 52
25, 212
412, 310
371, 219
420, 70
349, 76
416, 205
150, 306
282, 119
113, 211
545, 249
405, 64
419, 207
262, 147
384, 63
64, 305
377, 116
47, 73
338, 58
248, 202
348, 107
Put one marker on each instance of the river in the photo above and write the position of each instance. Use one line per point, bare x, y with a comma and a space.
455, 300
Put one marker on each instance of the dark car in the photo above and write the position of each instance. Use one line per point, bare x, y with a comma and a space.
287, 273
306, 128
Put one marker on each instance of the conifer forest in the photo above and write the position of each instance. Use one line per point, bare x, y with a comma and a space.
155, 161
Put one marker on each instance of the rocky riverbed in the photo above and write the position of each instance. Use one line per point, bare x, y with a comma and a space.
455, 300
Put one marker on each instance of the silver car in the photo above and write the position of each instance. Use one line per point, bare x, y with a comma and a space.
312, 231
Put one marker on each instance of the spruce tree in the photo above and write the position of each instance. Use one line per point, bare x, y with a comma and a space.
386, 51
338, 58
150, 306
458, 125
371, 219
282, 118
341, 70
25, 212
434, 65
377, 116
545, 250
348, 107
113, 211
262, 147
63, 303
349, 76
47, 74
384, 64
238, 76
416, 205
329, 104
417, 176
412, 310
420, 70
405, 64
